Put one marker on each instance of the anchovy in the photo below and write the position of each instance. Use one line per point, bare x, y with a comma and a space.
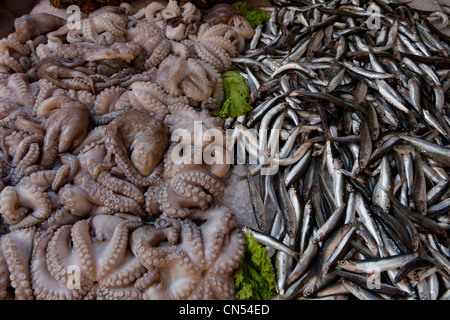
270, 241
259, 209
378, 264
359, 116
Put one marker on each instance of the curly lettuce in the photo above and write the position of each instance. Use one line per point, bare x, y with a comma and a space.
255, 277
253, 16
236, 95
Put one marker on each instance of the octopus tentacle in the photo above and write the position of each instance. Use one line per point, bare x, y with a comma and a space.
82, 245
127, 293
29, 159
200, 258
116, 248
149, 97
98, 247
94, 136
190, 13
30, 127
72, 162
60, 259
171, 68
66, 128
17, 246
161, 51
121, 186
45, 286
42, 179
75, 200
4, 275
60, 177
24, 146
153, 11
16, 202
104, 197
46, 90
58, 218
152, 98
11, 63
111, 99
18, 87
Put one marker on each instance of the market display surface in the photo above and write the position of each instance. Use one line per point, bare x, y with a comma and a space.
343, 106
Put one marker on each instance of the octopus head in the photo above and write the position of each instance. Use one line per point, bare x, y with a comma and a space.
147, 152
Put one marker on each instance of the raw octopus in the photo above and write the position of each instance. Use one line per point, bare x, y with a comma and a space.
87, 181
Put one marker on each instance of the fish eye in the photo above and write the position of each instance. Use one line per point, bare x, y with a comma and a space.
343, 262
308, 291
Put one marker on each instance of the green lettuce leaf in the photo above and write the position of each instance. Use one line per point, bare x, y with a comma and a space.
255, 277
253, 16
236, 95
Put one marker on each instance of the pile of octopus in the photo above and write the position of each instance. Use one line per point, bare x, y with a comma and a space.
92, 204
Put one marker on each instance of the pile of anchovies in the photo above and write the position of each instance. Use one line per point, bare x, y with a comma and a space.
351, 104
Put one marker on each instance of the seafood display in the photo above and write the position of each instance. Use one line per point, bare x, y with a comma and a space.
347, 140
351, 108
93, 204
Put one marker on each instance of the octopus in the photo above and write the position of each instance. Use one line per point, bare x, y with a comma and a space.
98, 250
183, 188
62, 74
101, 190
92, 52
185, 24
113, 99
89, 66
183, 117
177, 22
137, 141
14, 56
179, 76
82, 76
101, 27
30, 202
187, 183
30, 26
156, 11
188, 261
15, 250
18, 87
216, 45
224, 13
152, 38
150, 97
190, 77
